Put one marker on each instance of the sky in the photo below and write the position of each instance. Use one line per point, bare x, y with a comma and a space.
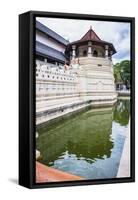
118, 33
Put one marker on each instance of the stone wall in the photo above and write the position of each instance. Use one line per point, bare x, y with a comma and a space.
60, 91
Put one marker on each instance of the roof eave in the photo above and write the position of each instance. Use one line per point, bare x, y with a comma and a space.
42, 28
101, 41
52, 37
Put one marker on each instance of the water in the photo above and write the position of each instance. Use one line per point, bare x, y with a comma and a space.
88, 144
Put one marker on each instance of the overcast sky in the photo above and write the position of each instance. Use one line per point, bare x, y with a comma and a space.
114, 32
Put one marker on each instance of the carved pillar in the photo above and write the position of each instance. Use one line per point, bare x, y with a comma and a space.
106, 51
89, 49
73, 51
111, 53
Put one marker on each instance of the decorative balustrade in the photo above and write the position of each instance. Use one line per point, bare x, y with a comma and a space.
48, 72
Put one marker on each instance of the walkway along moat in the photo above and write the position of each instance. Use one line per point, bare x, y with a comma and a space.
88, 144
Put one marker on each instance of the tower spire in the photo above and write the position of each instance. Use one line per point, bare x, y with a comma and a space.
91, 27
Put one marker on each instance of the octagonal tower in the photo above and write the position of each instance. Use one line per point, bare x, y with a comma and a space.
93, 57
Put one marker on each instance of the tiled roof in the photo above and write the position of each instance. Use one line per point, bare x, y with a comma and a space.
47, 51
90, 35
50, 33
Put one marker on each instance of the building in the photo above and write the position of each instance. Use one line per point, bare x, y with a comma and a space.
50, 47
71, 76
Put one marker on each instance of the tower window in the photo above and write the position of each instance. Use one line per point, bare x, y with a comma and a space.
95, 53
84, 53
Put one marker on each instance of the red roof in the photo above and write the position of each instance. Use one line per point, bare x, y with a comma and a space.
90, 35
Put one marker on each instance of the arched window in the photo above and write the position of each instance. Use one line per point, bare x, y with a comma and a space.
95, 53
84, 53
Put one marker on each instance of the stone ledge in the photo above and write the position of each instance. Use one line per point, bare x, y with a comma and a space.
48, 174
58, 111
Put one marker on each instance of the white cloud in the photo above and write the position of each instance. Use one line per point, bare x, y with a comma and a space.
117, 33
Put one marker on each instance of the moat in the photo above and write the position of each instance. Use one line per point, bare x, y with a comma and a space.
88, 144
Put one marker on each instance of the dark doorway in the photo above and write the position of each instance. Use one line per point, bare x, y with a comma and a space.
84, 53
95, 53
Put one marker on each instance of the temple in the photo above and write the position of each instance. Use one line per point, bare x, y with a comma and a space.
72, 76
90, 45
50, 47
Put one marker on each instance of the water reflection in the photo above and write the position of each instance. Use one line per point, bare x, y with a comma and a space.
122, 111
89, 144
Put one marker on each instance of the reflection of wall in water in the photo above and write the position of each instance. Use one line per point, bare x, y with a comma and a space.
86, 135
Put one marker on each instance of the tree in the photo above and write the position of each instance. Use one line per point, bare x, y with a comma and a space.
122, 72
117, 73
125, 71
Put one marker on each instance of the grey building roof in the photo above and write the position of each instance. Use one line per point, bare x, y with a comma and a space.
47, 51
51, 33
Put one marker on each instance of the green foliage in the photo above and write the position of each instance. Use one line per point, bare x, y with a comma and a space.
117, 74
122, 72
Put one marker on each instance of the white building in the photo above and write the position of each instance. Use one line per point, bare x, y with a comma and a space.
86, 80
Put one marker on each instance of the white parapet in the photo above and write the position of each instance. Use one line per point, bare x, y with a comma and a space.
60, 91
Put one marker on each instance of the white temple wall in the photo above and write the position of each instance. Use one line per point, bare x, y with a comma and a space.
59, 92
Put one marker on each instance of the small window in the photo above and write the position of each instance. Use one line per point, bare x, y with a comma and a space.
84, 53
99, 65
95, 53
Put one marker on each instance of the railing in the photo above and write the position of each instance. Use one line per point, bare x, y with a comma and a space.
49, 72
